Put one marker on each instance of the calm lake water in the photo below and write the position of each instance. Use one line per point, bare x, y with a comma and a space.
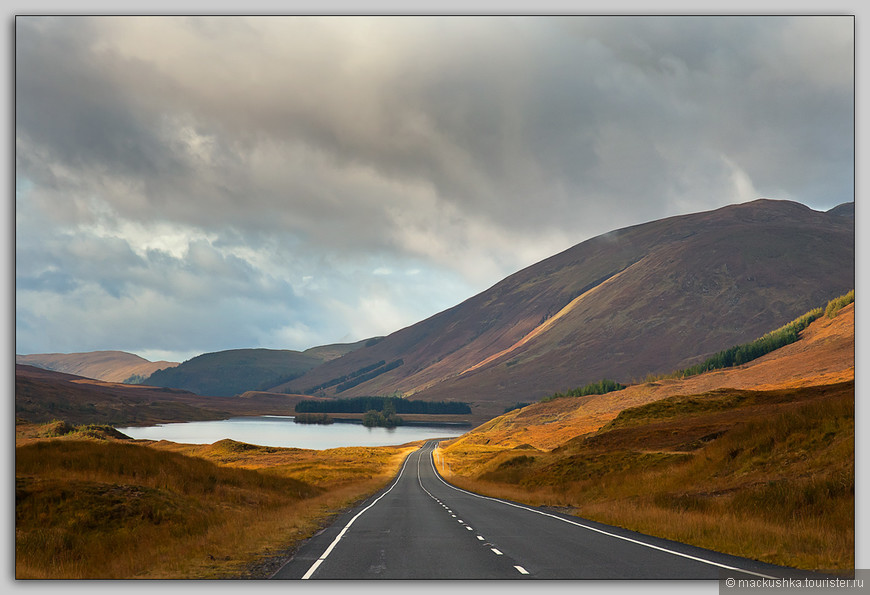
282, 431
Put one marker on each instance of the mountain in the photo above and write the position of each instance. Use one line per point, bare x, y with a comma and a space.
235, 371
824, 356
111, 366
44, 395
768, 445
645, 299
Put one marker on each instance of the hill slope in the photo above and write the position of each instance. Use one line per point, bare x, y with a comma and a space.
44, 395
824, 355
645, 299
111, 366
232, 372
756, 460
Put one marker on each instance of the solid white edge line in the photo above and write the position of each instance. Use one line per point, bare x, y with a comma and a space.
328, 551
622, 537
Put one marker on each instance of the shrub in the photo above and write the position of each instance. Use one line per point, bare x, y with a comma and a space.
837, 304
596, 388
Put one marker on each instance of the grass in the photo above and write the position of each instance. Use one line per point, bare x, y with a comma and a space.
741, 354
762, 474
97, 508
596, 388
835, 305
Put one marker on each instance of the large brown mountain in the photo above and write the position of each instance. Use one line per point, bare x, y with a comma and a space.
645, 299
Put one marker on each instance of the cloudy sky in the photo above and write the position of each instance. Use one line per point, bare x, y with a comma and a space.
193, 184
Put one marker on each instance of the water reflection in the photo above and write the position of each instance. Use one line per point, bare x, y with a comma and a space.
282, 431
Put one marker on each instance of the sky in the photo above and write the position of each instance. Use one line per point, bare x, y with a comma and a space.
191, 184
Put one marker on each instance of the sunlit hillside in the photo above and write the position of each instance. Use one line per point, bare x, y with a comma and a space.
756, 460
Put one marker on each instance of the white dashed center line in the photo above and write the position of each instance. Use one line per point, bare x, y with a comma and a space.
521, 570
496, 552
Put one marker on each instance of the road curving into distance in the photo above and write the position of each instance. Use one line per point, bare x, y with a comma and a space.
421, 527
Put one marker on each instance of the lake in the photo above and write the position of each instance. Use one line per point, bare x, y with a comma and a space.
282, 431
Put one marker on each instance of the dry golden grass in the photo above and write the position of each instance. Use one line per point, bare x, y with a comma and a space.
97, 508
756, 460
825, 354
767, 475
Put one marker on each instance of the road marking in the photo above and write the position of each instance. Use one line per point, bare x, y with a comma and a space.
453, 515
595, 529
496, 552
332, 545
480, 537
521, 569
459, 521
469, 528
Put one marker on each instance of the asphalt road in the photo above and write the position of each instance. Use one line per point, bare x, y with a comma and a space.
421, 527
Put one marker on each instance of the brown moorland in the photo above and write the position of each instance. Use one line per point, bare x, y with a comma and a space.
93, 505
43, 395
755, 461
825, 354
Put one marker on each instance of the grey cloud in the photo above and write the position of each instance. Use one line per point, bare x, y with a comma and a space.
299, 152
491, 113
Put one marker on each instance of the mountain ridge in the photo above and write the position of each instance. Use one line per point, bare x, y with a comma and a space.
689, 285
108, 365
235, 371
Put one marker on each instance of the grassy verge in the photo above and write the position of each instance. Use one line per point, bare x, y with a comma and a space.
767, 475
99, 508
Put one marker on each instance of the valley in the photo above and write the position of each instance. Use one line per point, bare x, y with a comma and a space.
755, 460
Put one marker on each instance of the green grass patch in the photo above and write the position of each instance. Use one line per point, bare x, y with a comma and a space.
834, 306
679, 406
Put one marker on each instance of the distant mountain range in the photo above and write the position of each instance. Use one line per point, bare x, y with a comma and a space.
43, 395
642, 300
222, 373
645, 299
111, 366
232, 372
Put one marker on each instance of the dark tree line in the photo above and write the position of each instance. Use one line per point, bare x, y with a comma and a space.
741, 354
365, 404
596, 388
313, 418
338, 380
368, 376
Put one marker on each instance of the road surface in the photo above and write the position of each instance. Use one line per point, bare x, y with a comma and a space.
421, 527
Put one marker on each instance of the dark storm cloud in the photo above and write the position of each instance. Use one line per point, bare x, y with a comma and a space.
297, 155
